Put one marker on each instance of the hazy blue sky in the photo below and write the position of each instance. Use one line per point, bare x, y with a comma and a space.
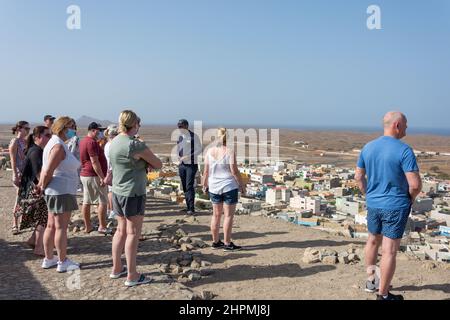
237, 61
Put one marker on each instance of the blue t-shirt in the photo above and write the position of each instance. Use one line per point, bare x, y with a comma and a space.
386, 160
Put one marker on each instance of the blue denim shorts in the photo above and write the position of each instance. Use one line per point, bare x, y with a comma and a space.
391, 223
229, 198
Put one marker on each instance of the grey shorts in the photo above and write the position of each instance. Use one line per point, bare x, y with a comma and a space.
129, 206
61, 204
92, 192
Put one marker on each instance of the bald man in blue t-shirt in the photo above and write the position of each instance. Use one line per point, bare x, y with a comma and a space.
393, 182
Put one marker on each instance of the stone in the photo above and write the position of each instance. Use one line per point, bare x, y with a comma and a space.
207, 295
353, 257
164, 268
195, 265
176, 269
76, 229
327, 253
194, 276
199, 243
162, 227
343, 259
329, 260
187, 247
343, 254
206, 264
311, 256
184, 240
181, 233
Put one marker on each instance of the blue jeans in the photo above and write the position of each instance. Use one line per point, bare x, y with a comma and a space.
229, 198
187, 175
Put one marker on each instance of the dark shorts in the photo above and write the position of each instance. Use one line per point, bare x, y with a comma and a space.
229, 198
129, 206
61, 203
391, 223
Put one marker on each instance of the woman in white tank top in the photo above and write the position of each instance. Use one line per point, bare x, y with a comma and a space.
223, 180
59, 181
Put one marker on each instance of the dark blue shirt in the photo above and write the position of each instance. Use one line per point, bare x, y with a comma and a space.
386, 160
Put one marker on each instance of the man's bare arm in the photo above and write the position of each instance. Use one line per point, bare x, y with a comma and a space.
415, 184
360, 177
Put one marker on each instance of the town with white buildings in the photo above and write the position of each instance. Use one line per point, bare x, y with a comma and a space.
325, 197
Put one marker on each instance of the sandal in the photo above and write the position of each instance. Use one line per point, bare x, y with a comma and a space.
106, 231
124, 272
142, 280
15, 230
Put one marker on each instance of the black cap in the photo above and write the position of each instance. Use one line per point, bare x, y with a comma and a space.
49, 117
183, 123
95, 126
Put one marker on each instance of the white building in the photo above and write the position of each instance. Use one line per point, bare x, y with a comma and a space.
308, 203
422, 205
277, 195
262, 178
350, 206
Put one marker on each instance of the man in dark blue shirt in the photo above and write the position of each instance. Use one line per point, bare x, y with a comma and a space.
189, 148
393, 182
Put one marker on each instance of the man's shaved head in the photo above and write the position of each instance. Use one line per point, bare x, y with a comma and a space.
391, 117
395, 124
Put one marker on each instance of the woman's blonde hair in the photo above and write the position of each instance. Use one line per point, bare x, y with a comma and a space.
127, 120
221, 136
61, 124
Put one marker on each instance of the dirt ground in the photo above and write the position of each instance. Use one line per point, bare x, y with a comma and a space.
269, 267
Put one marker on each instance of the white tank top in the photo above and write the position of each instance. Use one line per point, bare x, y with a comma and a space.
220, 179
65, 177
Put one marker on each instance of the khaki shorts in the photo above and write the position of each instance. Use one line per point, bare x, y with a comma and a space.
92, 192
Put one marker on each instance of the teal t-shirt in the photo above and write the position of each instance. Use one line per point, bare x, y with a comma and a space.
386, 160
129, 174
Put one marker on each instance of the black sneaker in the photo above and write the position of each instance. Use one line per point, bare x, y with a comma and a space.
390, 297
218, 245
190, 213
231, 247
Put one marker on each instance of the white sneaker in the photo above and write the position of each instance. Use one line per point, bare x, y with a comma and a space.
112, 214
67, 265
47, 264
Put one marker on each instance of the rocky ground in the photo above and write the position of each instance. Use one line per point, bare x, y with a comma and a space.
280, 261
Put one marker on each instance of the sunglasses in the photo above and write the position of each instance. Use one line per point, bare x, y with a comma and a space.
48, 135
26, 128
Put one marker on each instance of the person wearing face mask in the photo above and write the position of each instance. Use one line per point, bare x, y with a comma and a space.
93, 172
58, 180
129, 158
74, 147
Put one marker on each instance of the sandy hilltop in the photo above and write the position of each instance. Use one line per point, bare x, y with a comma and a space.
272, 266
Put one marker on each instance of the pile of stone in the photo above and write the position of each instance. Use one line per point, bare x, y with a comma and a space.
329, 256
187, 267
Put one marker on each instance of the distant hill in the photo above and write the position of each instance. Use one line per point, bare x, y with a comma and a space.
84, 121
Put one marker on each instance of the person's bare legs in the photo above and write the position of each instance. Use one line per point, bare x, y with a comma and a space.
101, 212
61, 223
228, 222
49, 236
110, 204
39, 241
118, 244
215, 221
86, 210
371, 254
388, 263
15, 219
134, 228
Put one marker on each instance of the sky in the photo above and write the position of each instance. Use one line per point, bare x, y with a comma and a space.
242, 62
